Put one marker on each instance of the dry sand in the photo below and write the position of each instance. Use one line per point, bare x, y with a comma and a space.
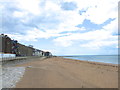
59, 72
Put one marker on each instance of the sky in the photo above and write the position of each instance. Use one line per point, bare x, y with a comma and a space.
63, 27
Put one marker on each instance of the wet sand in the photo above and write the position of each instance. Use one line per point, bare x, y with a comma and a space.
58, 72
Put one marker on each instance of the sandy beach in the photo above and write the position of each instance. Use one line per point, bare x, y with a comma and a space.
58, 72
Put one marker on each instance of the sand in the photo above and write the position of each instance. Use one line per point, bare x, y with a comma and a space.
58, 72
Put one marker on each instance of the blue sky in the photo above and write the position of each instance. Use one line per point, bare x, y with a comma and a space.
64, 27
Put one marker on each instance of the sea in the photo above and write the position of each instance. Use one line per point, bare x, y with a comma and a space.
113, 59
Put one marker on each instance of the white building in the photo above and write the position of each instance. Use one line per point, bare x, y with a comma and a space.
37, 52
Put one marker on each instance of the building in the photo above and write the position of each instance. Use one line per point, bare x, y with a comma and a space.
9, 46
6, 44
47, 53
38, 52
25, 50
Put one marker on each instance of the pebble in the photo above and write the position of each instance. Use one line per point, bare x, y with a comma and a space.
11, 75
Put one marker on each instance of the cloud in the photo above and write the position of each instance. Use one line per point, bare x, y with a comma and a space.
91, 36
97, 11
30, 20
34, 35
49, 14
29, 6
99, 44
95, 39
18, 14
112, 27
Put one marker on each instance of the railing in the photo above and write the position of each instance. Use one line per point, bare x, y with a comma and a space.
20, 58
12, 58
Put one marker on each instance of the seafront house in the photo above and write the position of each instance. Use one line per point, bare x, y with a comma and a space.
9, 46
6, 46
37, 52
47, 53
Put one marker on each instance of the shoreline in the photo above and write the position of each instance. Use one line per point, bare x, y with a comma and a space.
101, 64
92, 62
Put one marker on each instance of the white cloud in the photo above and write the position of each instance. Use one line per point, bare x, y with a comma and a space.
102, 12
98, 44
51, 6
31, 6
33, 35
31, 12
19, 14
96, 39
98, 11
112, 27
98, 35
